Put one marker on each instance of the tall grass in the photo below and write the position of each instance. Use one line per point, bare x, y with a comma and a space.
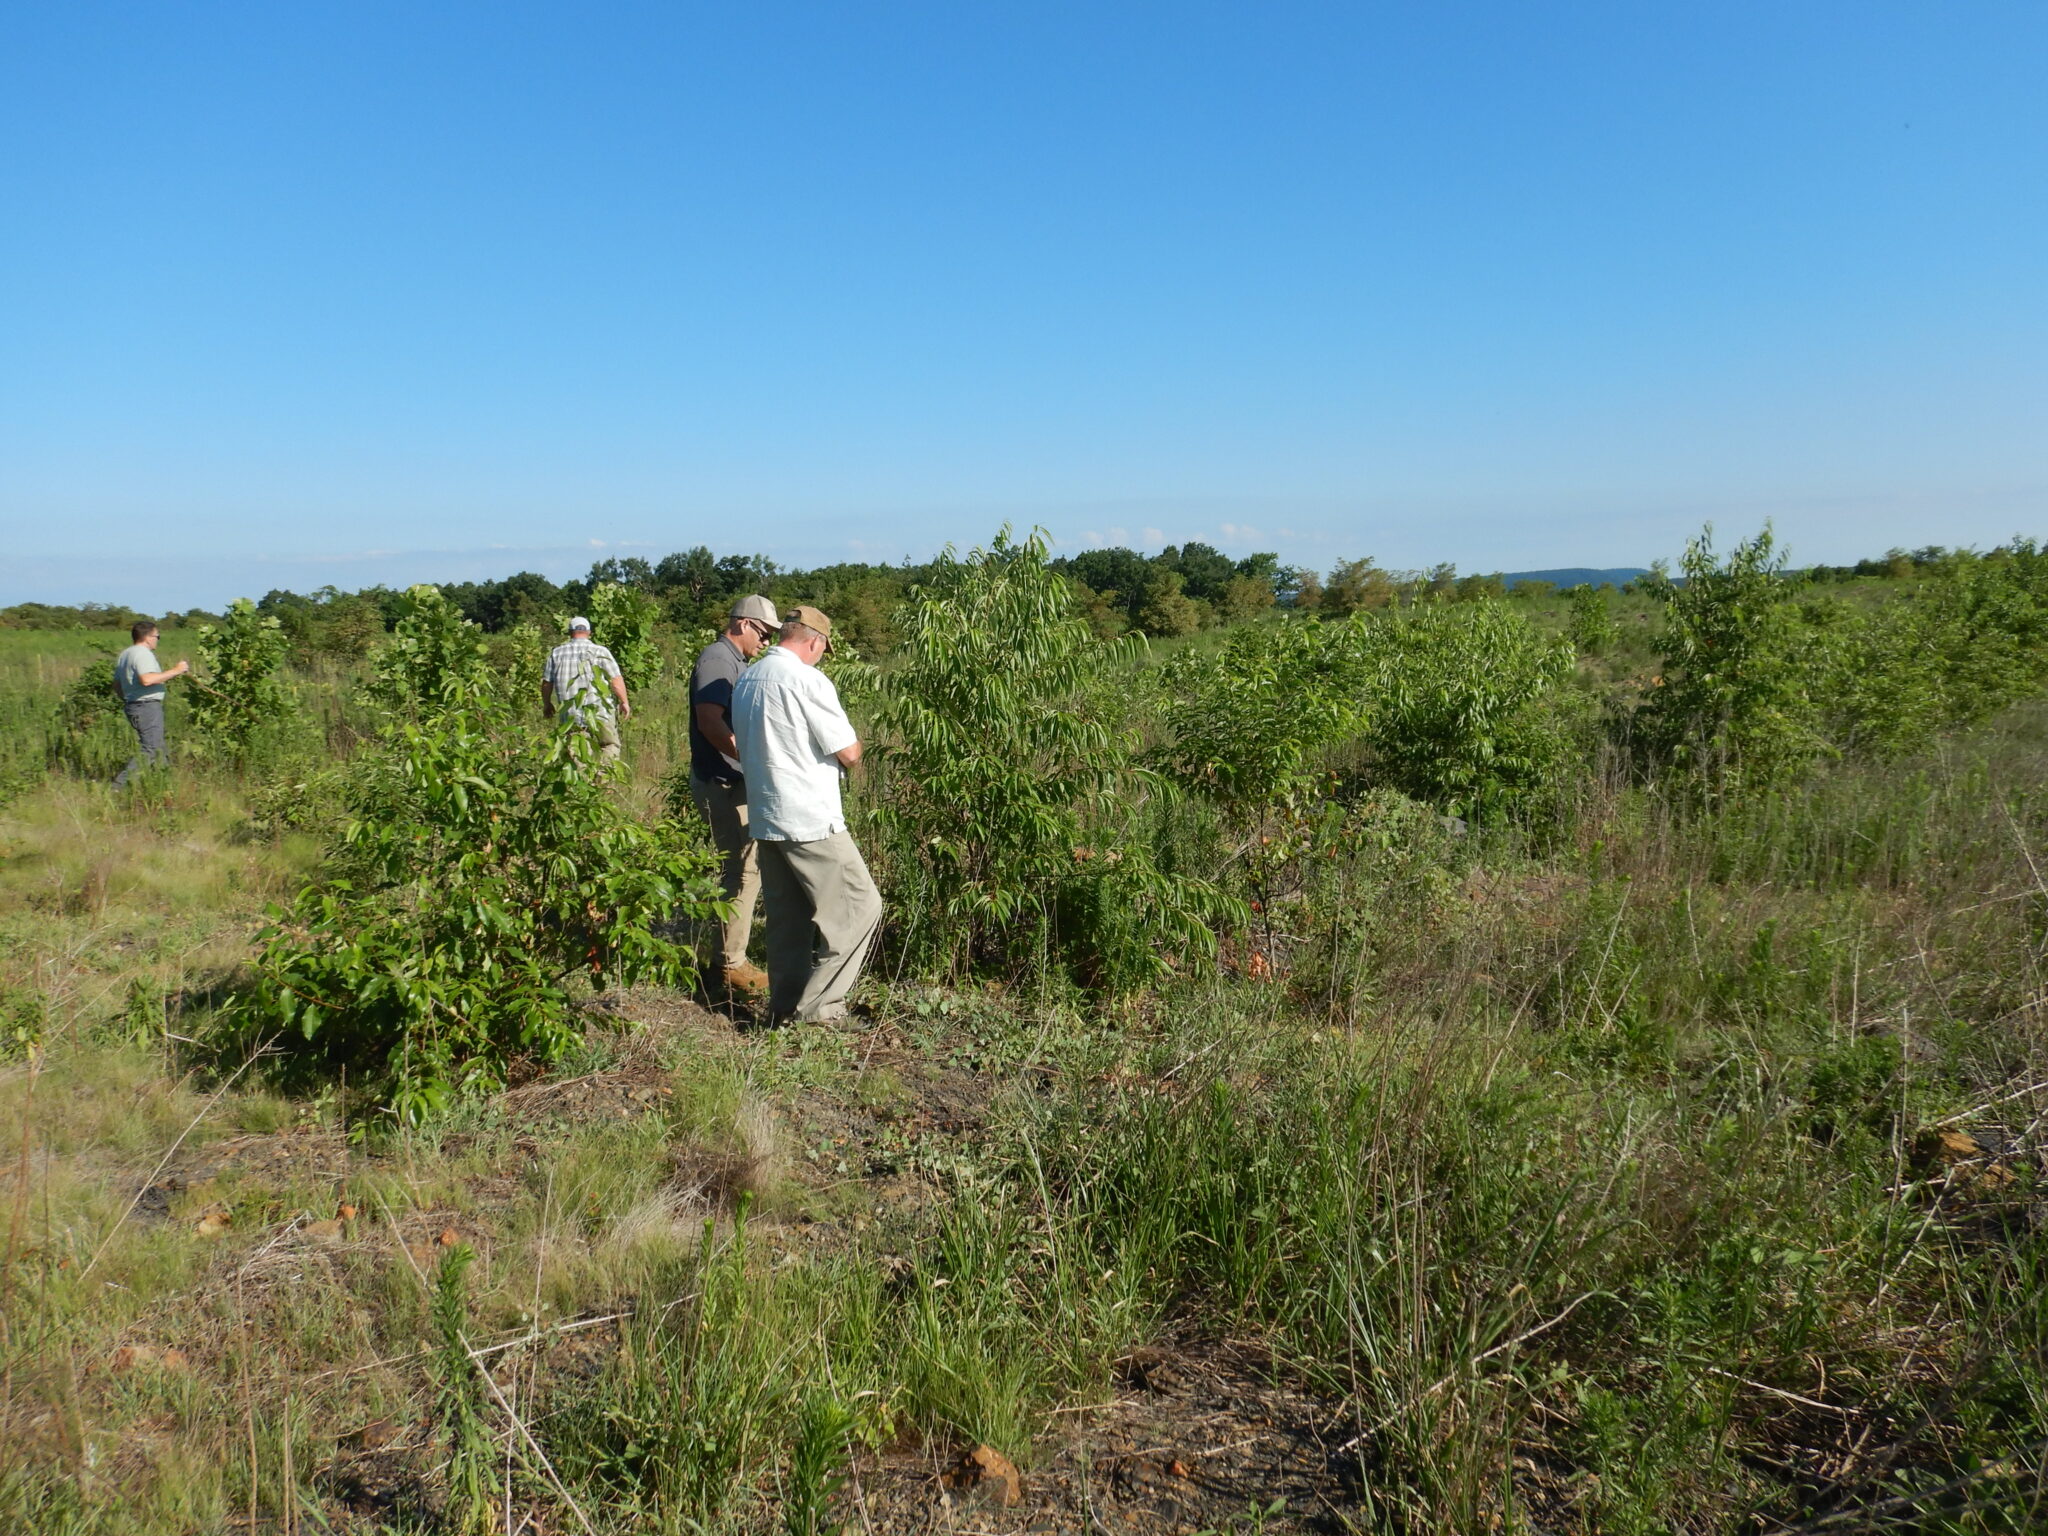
1585, 1177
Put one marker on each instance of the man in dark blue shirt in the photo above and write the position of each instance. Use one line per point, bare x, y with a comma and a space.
716, 783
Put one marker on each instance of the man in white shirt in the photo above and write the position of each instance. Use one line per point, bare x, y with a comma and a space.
794, 743
141, 683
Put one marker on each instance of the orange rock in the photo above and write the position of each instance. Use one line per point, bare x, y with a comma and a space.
1961, 1161
990, 1474
213, 1222
1951, 1147
449, 1237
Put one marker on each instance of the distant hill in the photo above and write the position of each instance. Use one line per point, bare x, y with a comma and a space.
1579, 576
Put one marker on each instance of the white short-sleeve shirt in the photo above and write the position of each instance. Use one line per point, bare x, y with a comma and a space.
790, 727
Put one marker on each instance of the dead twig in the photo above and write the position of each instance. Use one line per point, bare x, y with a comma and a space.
531, 1444
1790, 1397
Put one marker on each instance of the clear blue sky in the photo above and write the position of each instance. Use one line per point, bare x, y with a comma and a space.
302, 293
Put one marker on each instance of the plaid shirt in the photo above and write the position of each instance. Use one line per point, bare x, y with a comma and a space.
573, 669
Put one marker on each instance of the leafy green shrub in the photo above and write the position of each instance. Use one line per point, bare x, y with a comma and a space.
241, 693
1762, 680
1591, 626
1342, 891
622, 620
1455, 704
1244, 598
24, 1020
1737, 705
91, 698
1246, 723
1852, 1088
1967, 642
300, 799
1167, 610
91, 702
1466, 715
1355, 586
1014, 802
352, 625
519, 656
483, 866
435, 661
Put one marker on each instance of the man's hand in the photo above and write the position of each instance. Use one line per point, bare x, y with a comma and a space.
625, 710
710, 719
181, 668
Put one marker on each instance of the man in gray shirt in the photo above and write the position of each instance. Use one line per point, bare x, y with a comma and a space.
716, 783
141, 685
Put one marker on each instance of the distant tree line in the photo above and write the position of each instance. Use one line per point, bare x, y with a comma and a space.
1181, 590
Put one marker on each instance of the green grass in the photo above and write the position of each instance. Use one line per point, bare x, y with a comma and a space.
1584, 1178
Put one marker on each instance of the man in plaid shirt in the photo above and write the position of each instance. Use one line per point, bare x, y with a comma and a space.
570, 679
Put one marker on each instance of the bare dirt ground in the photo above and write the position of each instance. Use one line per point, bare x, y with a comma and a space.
1202, 1436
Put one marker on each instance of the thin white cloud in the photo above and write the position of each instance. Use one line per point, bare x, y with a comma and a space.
338, 559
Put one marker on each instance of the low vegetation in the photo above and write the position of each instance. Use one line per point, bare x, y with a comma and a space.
1427, 1060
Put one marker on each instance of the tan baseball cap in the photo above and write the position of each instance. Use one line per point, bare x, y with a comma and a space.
810, 618
756, 607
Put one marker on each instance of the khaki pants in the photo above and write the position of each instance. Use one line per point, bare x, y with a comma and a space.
823, 910
739, 875
602, 729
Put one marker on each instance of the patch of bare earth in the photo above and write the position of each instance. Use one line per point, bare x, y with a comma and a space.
1198, 1438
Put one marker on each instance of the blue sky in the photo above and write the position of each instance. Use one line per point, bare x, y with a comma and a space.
292, 294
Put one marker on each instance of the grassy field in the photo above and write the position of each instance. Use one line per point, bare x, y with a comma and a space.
1675, 1168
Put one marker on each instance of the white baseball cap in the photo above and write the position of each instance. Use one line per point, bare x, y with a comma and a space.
579, 622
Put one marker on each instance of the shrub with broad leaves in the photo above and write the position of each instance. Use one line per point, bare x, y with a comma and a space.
1591, 626
1013, 797
1735, 706
622, 620
435, 661
1249, 723
240, 693
1467, 713
484, 875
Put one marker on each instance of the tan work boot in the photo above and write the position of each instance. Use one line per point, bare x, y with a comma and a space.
746, 980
